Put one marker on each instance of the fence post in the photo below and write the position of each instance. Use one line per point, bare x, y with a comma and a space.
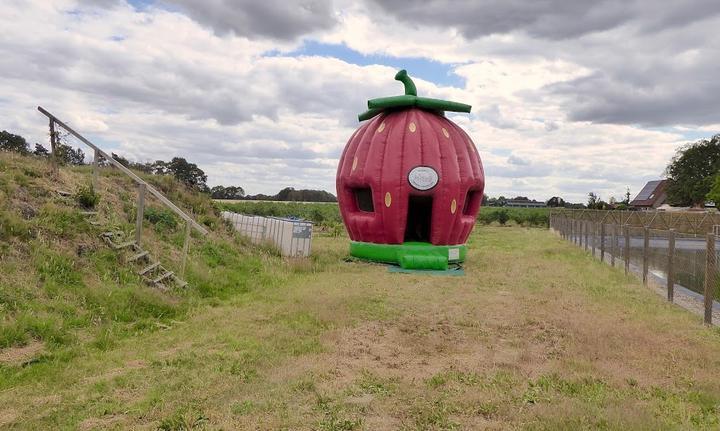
586, 229
578, 239
613, 242
646, 254
53, 147
670, 266
595, 236
96, 161
627, 249
709, 277
140, 213
602, 242
186, 247
572, 230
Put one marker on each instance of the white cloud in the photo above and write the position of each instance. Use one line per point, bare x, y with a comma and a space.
155, 83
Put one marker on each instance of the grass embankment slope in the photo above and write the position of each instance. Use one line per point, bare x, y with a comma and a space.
537, 335
65, 294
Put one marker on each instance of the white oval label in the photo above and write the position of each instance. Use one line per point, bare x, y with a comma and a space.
423, 177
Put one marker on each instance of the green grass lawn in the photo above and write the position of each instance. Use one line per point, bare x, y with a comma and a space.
536, 335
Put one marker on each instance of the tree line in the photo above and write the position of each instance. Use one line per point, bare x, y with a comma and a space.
184, 171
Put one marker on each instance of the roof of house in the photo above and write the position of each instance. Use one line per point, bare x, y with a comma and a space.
650, 194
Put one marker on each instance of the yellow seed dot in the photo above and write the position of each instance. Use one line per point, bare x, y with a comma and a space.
412, 127
453, 206
445, 132
388, 199
354, 163
381, 127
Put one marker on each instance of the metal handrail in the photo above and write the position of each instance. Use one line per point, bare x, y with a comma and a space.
128, 172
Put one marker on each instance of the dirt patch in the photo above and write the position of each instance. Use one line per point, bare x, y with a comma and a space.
101, 423
7, 417
21, 355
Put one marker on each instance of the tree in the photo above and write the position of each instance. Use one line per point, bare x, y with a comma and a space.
15, 143
555, 202
593, 200
692, 171
231, 192
626, 201
714, 193
69, 155
41, 151
187, 173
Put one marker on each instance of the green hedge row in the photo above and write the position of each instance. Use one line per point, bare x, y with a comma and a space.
329, 215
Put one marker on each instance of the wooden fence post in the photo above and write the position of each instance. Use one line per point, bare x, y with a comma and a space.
646, 254
140, 213
627, 249
613, 242
53, 147
186, 247
671, 266
602, 242
709, 277
96, 161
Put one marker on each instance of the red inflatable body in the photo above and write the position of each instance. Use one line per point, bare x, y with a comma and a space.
410, 175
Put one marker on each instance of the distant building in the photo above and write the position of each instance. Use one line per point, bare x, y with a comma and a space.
524, 203
651, 196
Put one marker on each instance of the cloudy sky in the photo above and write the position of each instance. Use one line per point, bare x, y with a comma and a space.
568, 97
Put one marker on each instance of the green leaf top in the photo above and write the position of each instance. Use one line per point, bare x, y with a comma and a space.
409, 99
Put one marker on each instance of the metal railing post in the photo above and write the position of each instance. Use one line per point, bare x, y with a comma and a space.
602, 242
627, 249
710, 263
671, 266
613, 242
646, 254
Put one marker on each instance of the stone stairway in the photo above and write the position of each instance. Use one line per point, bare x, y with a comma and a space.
151, 270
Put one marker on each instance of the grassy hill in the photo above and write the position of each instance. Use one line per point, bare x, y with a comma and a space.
63, 291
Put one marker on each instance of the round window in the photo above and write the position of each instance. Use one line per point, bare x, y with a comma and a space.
423, 177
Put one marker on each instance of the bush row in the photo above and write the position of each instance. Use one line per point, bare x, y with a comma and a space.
329, 215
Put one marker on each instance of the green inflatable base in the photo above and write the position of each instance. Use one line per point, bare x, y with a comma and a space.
410, 255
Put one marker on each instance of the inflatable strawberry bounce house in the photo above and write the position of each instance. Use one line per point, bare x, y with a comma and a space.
410, 182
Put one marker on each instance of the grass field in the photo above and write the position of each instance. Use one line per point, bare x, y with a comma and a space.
537, 335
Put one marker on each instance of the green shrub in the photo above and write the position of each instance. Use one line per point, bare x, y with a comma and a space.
86, 197
502, 216
163, 219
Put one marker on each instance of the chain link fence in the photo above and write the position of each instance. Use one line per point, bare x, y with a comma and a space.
683, 266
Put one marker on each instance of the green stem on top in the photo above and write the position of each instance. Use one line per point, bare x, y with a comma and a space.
410, 89
410, 99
